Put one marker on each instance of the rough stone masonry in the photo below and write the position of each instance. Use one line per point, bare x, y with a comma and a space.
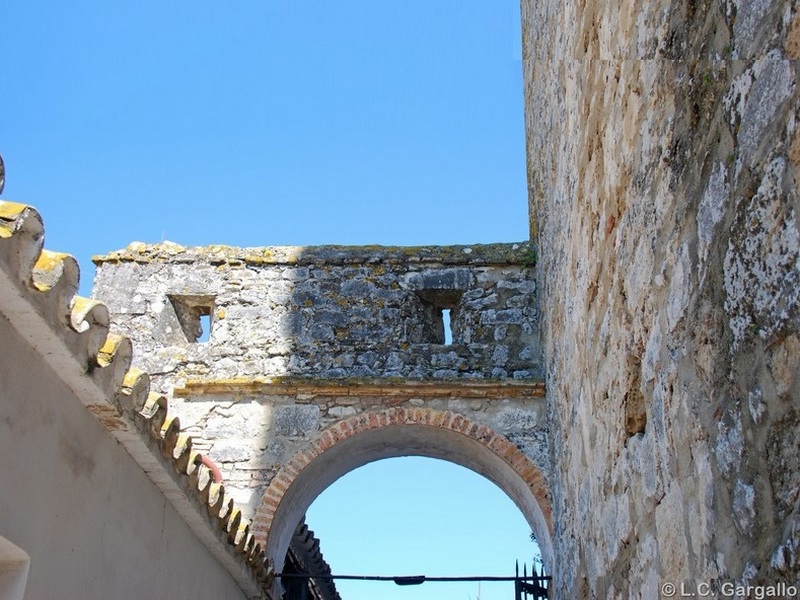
291, 328
663, 157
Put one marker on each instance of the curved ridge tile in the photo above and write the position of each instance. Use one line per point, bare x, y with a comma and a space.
170, 439
186, 455
233, 523
117, 350
56, 269
241, 537
89, 318
151, 404
229, 508
205, 484
216, 501
194, 476
155, 412
111, 364
87, 313
49, 281
134, 392
22, 236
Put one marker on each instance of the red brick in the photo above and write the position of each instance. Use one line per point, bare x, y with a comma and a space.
284, 478
483, 433
307, 455
293, 467
271, 491
509, 451
456, 422
438, 418
325, 441
518, 461
259, 521
528, 472
260, 538
279, 484
426, 416
498, 444
448, 420
537, 479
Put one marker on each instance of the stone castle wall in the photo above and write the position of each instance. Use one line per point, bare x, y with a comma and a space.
325, 312
663, 163
303, 339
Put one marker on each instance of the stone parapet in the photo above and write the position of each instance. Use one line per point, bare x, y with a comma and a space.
329, 312
474, 254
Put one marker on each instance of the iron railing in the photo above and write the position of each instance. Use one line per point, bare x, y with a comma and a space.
533, 587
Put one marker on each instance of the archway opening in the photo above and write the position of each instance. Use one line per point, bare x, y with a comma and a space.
420, 516
371, 437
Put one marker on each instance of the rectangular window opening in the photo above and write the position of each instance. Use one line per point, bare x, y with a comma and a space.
193, 313
440, 315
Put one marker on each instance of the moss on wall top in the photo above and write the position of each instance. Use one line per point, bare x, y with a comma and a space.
519, 253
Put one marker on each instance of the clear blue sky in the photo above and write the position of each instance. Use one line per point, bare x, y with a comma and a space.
420, 516
266, 122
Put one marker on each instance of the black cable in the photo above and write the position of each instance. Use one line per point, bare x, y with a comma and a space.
408, 579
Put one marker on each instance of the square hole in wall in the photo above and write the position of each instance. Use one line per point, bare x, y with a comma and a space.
440, 315
194, 313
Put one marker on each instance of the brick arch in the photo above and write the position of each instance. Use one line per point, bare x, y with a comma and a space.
393, 432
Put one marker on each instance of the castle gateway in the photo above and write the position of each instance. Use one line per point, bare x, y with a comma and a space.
291, 366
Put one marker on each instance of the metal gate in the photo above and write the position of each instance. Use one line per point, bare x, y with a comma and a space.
533, 587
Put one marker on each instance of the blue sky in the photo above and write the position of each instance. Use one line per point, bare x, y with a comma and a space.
267, 122
420, 516
272, 122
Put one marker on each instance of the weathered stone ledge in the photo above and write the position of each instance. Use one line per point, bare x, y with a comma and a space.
520, 253
363, 387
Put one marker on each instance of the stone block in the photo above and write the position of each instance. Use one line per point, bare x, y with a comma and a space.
297, 420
